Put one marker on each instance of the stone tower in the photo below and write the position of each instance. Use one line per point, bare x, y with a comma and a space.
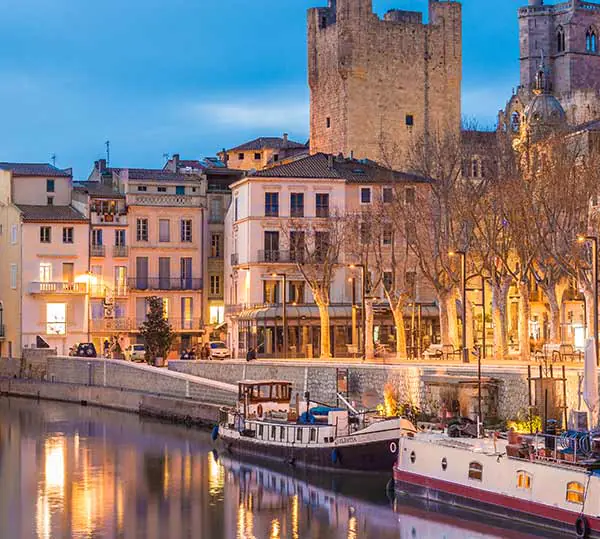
568, 35
378, 83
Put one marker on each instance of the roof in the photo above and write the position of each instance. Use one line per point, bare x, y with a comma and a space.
97, 189
66, 214
321, 165
261, 143
36, 169
265, 382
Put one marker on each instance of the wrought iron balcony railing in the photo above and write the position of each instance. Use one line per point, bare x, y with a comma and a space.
165, 283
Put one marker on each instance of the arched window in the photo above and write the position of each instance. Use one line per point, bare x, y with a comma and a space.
475, 471
523, 480
575, 492
515, 121
560, 39
591, 40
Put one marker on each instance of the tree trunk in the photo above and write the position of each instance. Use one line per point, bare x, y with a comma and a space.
325, 331
499, 298
398, 312
524, 316
448, 318
369, 330
552, 297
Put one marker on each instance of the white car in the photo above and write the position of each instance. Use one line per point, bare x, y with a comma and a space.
136, 352
219, 350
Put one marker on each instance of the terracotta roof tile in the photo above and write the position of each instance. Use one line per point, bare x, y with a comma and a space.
66, 214
35, 169
262, 143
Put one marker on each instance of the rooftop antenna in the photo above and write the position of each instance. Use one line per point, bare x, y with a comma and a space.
166, 156
53, 158
107, 152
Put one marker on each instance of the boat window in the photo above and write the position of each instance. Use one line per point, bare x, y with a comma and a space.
299, 435
523, 480
476, 471
575, 492
413, 457
260, 430
313, 435
281, 433
444, 463
273, 429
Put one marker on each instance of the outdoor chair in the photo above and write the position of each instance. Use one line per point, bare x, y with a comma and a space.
449, 352
568, 352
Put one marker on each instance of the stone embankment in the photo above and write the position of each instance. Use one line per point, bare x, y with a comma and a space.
119, 385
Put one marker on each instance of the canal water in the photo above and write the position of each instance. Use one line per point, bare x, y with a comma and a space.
72, 471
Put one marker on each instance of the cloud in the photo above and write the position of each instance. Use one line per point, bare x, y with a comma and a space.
291, 114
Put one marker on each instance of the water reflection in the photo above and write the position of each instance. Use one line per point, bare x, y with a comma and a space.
68, 471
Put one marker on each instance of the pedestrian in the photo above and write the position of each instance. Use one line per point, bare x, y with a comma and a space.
206, 351
203, 353
106, 347
251, 355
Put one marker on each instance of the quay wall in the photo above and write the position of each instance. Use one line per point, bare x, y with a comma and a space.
366, 383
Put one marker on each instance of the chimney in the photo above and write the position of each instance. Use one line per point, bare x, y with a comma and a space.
175, 160
285, 139
225, 156
100, 165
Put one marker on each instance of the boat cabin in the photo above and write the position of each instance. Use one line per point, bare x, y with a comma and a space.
264, 398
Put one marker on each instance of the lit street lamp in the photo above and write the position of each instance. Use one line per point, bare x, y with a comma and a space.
463, 283
594, 241
285, 329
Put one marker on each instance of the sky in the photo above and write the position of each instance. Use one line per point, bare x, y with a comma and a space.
159, 77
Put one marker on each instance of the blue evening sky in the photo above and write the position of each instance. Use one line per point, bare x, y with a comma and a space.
189, 76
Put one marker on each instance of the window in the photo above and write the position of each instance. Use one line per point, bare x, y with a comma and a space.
45, 234
164, 230
236, 209
257, 156
68, 234
120, 238
388, 195
591, 40
216, 314
186, 230
322, 204
142, 188
142, 230
271, 245
13, 234
297, 245
180, 189
165, 308
68, 272
215, 285
409, 195
49, 186
296, 292
388, 280
276, 157
387, 235
328, 122
56, 318
271, 292
523, 480
271, 204
187, 312
575, 492
560, 39
215, 246
475, 471
365, 195
13, 276
410, 120
162, 189
241, 156
297, 204
515, 121
97, 236
45, 272
321, 246
50, 201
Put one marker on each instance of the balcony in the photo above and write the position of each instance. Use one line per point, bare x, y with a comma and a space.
57, 288
113, 324
165, 200
165, 283
120, 251
216, 219
235, 259
98, 251
278, 256
119, 219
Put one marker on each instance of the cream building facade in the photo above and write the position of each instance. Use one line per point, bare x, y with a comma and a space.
45, 274
262, 152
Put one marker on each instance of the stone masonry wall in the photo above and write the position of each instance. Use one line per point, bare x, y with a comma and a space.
367, 74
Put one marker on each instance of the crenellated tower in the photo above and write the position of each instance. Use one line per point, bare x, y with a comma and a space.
376, 84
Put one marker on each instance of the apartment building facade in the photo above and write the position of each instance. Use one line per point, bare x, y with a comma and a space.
267, 209
45, 276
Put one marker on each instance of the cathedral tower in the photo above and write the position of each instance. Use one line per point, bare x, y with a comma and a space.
378, 83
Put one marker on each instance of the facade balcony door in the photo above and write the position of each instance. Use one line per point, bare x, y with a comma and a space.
141, 272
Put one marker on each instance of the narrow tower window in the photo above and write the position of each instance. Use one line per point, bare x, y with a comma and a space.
591, 40
328, 122
560, 39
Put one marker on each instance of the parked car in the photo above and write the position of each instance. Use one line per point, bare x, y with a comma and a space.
86, 349
135, 352
219, 350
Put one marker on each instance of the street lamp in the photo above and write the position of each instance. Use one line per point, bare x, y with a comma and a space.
594, 242
363, 314
285, 328
463, 282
